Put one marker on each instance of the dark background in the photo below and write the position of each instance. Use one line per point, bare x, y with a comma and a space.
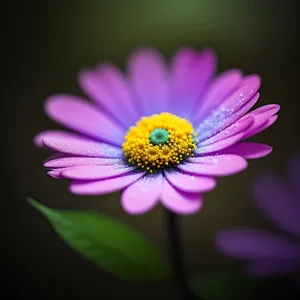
51, 41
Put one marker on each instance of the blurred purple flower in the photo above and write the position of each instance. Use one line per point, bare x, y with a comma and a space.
270, 254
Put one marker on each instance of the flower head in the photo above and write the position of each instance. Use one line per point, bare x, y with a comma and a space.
158, 134
270, 254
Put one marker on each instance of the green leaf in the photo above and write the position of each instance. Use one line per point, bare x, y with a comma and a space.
109, 243
225, 286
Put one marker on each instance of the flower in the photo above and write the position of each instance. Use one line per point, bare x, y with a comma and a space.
161, 135
270, 254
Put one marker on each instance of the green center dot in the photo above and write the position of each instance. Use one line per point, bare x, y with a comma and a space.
159, 136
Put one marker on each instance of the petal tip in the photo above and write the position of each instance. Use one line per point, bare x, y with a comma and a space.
277, 107
54, 174
38, 140
74, 188
253, 81
209, 52
144, 52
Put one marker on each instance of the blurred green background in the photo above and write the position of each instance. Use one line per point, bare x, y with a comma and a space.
62, 37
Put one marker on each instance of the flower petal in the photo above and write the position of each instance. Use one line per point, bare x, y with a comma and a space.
180, 202
148, 73
232, 109
74, 161
261, 128
56, 173
249, 150
273, 267
260, 117
237, 127
191, 74
107, 86
74, 144
258, 122
217, 165
142, 195
221, 87
267, 110
255, 244
95, 172
38, 139
217, 146
81, 116
105, 186
190, 183
277, 201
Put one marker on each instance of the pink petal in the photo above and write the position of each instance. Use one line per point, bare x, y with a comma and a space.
108, 87
217, 146
261, 117
141, 196
55, 156
191, 73
269, 109
38, 139
74, 161
95, 172
261, 128
255, 244
239, 103
278, 202
190, 183
217, 165
81, 116
237, 127
105, 186
180, 202
273, 267
148, 73
249, 150
258, 121
74, 144
56, 173
221, 87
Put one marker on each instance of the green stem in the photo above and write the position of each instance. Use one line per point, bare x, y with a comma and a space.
179, 274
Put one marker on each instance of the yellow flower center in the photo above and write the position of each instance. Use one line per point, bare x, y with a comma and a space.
161, 140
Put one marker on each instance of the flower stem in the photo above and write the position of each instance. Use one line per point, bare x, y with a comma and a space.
179, 275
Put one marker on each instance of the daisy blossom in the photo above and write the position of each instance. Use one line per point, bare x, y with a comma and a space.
159, 134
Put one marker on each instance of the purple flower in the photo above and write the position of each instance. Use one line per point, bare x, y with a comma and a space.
162, 135
270, 254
